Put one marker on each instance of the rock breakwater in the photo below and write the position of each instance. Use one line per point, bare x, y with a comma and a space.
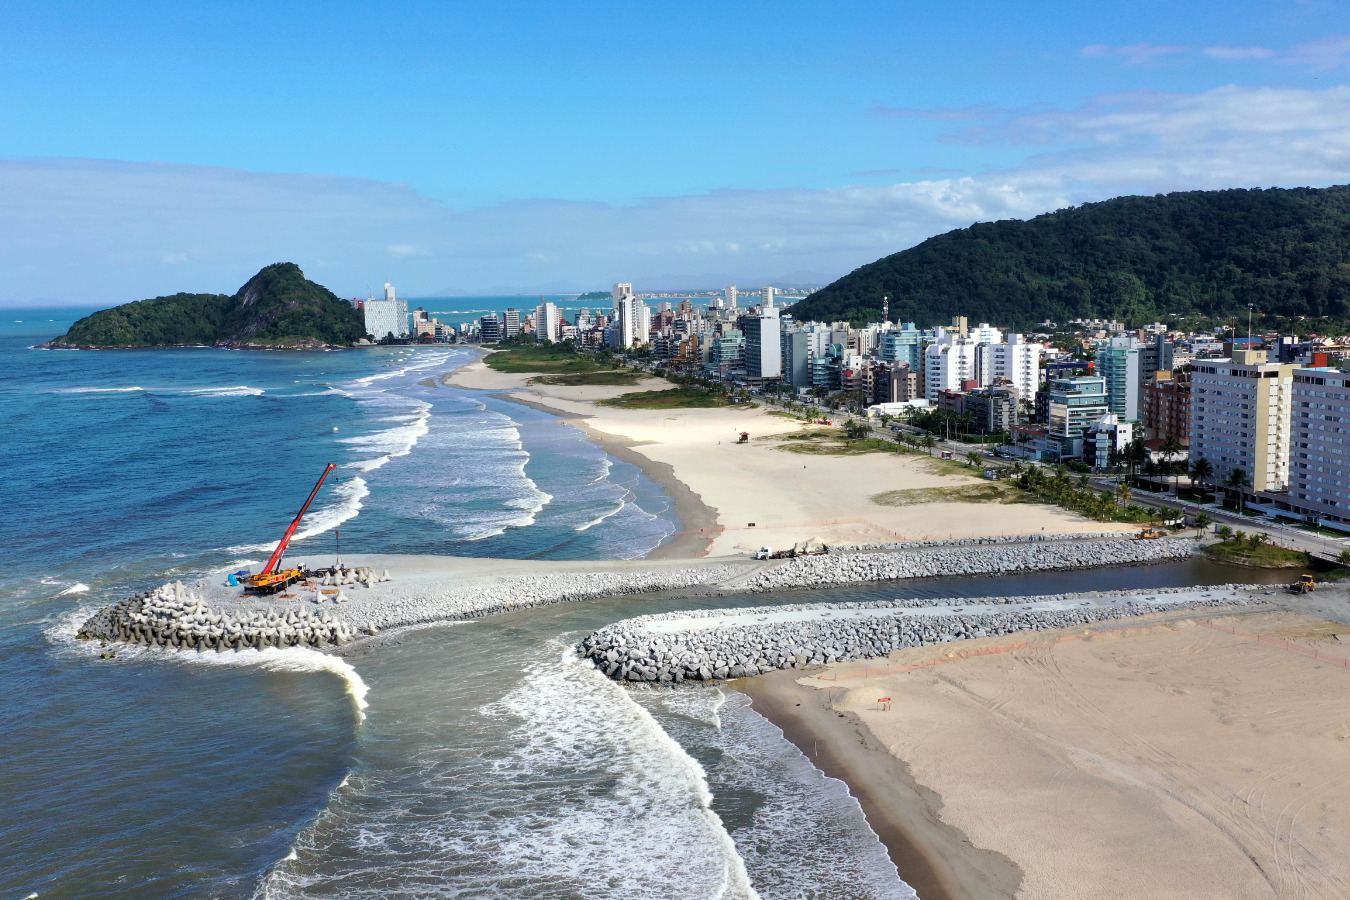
942, 559
171, 617
719, 644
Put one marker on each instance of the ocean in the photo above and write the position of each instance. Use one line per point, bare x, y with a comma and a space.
473, 760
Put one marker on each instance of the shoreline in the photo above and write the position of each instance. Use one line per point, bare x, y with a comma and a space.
934, 858
696, 520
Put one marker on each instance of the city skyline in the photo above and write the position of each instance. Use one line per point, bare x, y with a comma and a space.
538, 149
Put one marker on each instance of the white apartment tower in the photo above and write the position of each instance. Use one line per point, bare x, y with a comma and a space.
763, 341
1017, 360
387, 316
512, 327
547, 323
1240, 411
731, 294
633, 318
948, 364
766, 295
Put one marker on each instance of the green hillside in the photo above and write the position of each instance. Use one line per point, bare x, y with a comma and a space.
1142, 259
278, 307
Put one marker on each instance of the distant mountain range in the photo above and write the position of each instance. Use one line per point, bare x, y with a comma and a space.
278, 307
1137, 259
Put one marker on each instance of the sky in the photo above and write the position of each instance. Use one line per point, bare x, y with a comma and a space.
155, 147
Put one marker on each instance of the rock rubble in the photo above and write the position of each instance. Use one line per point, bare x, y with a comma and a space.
633, 651
946, 560
170, 617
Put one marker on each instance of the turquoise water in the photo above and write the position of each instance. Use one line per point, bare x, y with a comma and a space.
487, 761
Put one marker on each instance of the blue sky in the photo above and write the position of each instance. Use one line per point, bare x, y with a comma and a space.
155, 147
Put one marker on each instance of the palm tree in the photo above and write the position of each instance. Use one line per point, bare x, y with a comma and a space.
1237, 479
1170, 449
973, 458
929, 443
1202, 521
1202, 471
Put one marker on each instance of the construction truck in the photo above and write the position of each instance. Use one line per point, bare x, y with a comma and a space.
745, 438
1304, 585
1149, 534
273, 578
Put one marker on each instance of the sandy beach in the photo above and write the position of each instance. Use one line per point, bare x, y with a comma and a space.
734, 498
1175, 755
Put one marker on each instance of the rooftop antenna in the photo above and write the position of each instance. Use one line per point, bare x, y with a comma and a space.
885, 307
1249, 325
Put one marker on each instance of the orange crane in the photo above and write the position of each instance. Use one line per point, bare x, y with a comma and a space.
271, 579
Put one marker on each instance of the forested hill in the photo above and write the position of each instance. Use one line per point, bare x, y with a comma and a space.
1141, 259
278, 307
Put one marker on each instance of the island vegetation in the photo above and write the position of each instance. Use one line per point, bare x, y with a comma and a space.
1196, 256
1255, 550
278, 307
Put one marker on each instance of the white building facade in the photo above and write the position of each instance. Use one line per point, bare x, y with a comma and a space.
387, 316
547, 323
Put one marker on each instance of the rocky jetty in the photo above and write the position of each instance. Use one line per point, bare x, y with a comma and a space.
694, 646
933, 560
170, 617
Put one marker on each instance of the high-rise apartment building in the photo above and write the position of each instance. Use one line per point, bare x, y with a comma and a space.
386, 317
547, 323
901, 345
632, 317
1073, 407
948, 365
1015, 360
763, 344
1119, 363
1319, 444
1240, 412
1165, 407
490, 329
511, 324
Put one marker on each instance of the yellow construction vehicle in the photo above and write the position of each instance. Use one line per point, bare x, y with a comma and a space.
1149, 534
1304, 585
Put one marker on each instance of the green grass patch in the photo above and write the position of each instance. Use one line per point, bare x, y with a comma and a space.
606, 376
559, 359
990, 492
958, 466
823, 443
675, 398
1258, 556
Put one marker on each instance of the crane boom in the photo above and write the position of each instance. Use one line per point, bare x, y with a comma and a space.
290, 532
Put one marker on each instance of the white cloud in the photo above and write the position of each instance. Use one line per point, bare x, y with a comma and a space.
1238, 53
1323, 55
1134, 54
103, 232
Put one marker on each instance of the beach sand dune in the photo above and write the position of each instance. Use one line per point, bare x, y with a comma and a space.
1169, 759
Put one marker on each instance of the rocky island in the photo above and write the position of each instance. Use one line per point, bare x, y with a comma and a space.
276, 308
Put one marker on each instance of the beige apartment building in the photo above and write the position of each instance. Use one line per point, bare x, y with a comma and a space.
1240, 418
